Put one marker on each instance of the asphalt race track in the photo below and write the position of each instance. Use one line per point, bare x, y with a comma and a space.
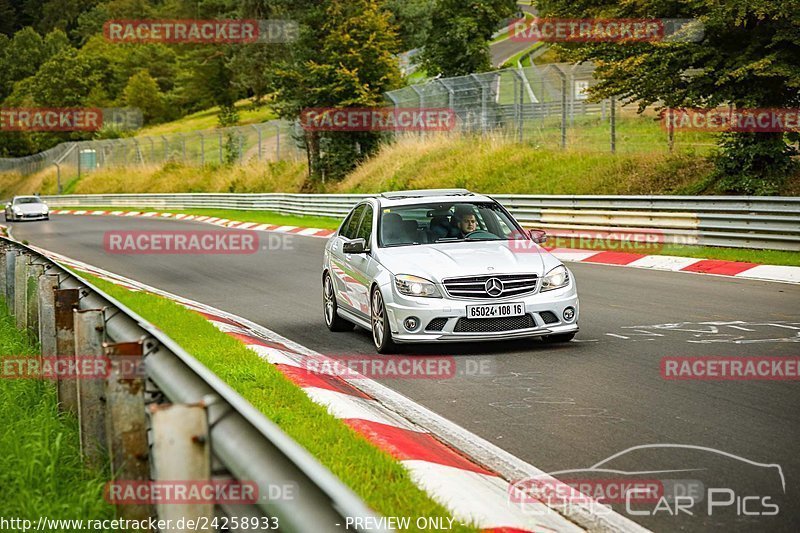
559, 408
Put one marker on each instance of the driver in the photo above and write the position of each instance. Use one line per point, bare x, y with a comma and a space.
465, 220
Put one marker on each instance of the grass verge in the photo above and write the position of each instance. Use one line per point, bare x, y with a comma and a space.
41, 471
374, 475
260, 217
747, 255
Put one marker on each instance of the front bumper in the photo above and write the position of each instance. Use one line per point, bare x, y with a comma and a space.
32, 216
543, 308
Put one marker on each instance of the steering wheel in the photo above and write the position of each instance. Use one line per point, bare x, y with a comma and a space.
479, 231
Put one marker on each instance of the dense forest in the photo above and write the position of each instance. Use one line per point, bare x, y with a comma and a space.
53, 53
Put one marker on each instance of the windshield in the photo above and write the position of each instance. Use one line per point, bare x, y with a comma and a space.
445, 222
27, 200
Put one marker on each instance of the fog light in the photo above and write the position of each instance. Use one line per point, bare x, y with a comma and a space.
411, 323
569, 313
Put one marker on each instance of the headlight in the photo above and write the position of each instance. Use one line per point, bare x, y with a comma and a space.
16, 210
555, 279
415, 286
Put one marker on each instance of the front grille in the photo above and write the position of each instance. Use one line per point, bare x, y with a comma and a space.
437, 324
486, 325
549, 317
475, 286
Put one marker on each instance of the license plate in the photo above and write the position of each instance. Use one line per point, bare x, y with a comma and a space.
496, 310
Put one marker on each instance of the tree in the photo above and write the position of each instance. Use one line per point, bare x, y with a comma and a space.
23, 56
142, 92
458, 42
343, 58
413, 21
749, 58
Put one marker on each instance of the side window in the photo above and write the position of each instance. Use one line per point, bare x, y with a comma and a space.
365, 229
349, 229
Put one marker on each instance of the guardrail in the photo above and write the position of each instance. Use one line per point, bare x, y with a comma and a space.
740, 222
176, 421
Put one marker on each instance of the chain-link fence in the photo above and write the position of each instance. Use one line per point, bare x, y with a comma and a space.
268, 141
547, 105
544, 105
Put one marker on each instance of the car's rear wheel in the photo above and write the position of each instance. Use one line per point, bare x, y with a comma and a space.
561, 337
381, 332
329, 307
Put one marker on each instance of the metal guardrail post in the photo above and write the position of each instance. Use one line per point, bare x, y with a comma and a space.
181, 451
613, 125
33, 272
89, 328
20, 294
9, 274
66, 301
277, 142
48, 283
58, 178
258, 132
126, 420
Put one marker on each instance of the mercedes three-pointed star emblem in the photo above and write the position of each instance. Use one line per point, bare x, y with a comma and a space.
494, 287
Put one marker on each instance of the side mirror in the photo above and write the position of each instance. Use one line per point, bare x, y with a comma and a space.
356, 246
538, 236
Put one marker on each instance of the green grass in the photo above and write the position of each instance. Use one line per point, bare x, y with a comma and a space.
375, 476
41, 472
748, 255
207, 119
505, 35
261, 217
511, 62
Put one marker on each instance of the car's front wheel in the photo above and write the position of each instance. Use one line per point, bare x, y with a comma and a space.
329, 306
561, 337
381, 332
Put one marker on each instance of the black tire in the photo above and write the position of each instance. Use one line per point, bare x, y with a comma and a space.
381, 332
330, 307
561, 337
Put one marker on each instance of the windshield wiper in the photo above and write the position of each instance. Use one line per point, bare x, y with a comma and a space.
482, 239
450, 239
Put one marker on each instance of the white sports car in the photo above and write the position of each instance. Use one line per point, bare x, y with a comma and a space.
440, 266
26, 208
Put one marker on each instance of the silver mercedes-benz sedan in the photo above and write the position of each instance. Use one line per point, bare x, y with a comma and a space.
444, 265
26, 208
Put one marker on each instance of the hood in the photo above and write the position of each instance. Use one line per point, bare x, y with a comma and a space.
456, 259
31, 209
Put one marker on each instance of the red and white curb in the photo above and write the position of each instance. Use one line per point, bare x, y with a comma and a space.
222, 222
468, 475
783, 274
